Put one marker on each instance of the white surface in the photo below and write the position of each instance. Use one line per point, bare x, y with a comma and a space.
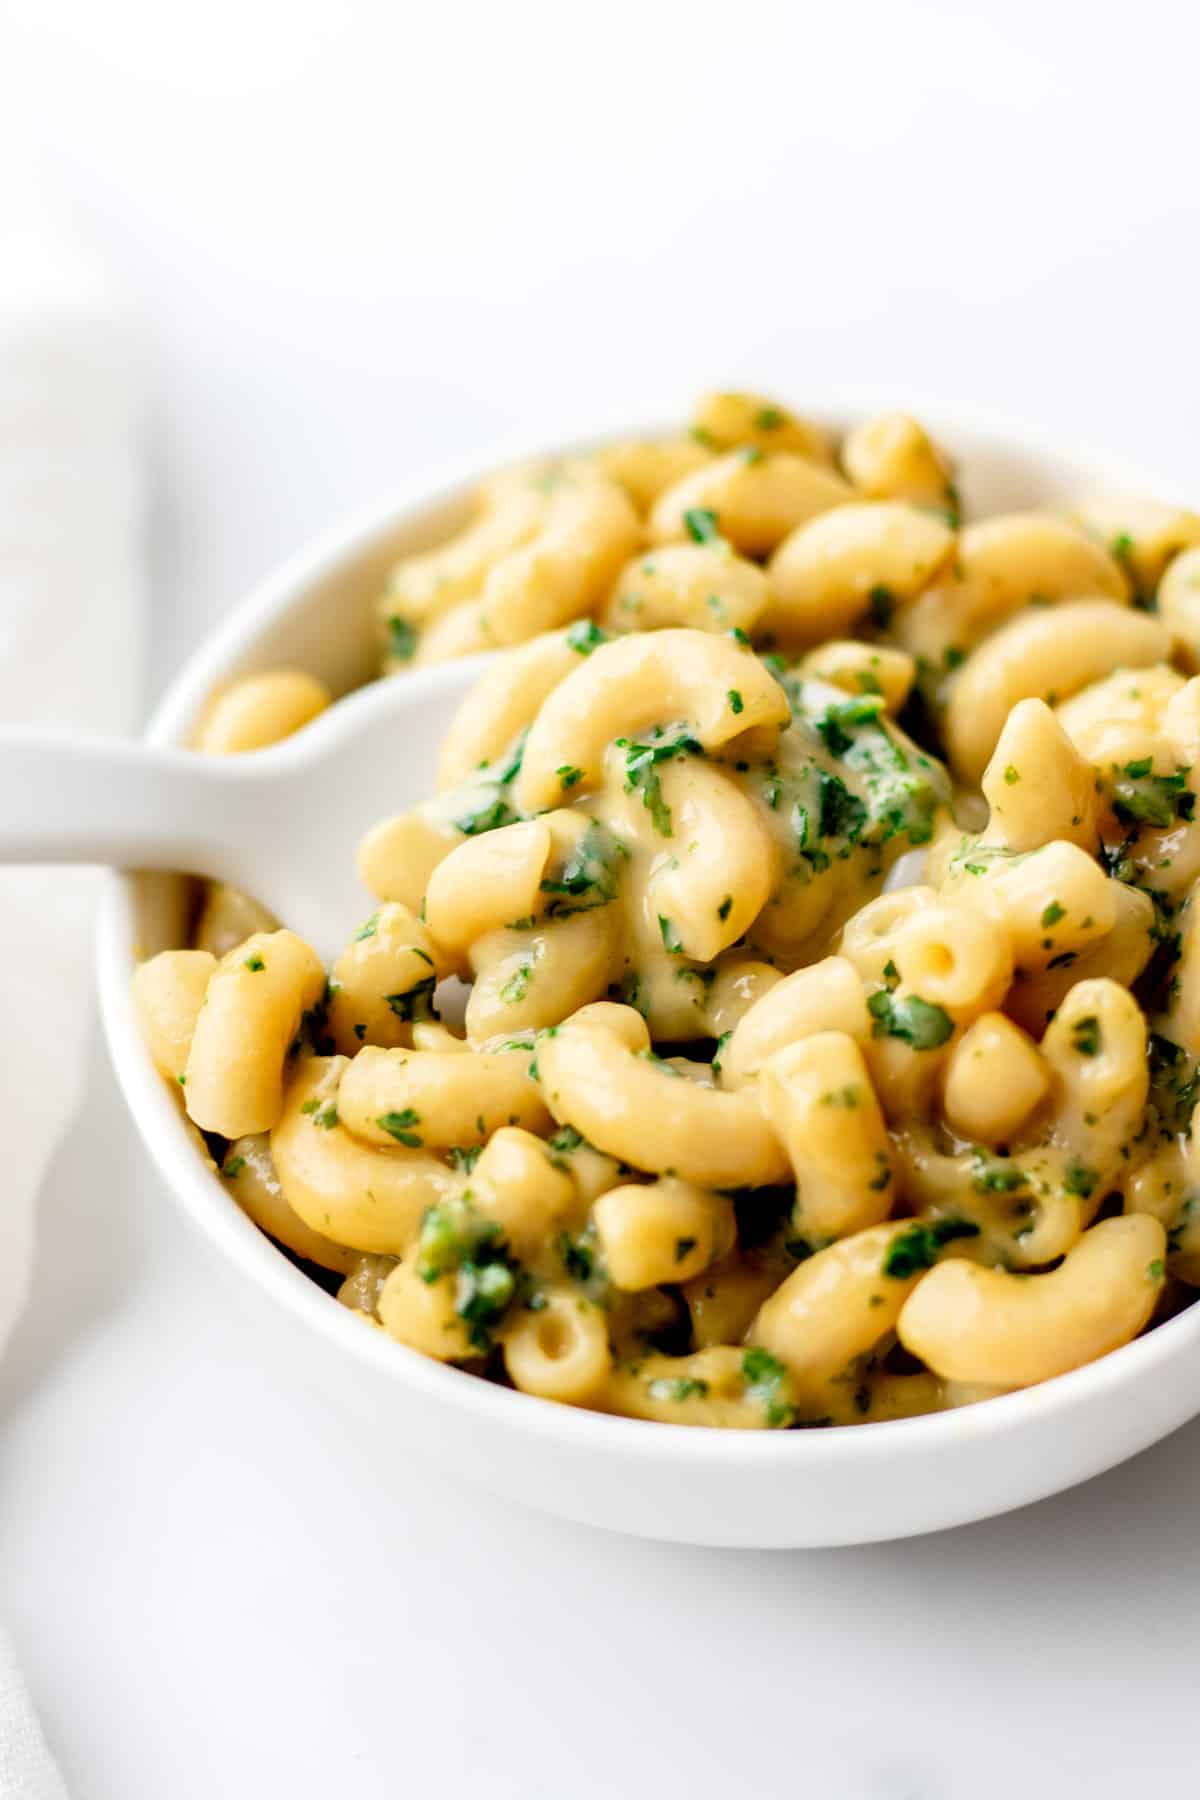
366, 238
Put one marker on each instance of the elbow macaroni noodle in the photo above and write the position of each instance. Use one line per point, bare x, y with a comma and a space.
821, 872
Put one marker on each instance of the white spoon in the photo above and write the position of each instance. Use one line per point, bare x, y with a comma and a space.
282, 824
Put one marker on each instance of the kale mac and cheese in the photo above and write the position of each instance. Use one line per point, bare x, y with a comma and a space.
816, 867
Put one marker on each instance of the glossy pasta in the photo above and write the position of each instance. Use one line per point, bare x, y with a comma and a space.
787, 1011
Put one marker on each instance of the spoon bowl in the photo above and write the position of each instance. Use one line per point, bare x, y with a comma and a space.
283, 824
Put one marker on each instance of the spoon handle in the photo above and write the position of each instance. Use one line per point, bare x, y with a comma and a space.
67, 798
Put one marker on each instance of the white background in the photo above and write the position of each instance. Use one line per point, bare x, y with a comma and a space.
362, 237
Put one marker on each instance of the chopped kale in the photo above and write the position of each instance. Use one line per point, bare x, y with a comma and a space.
565, 1139
483, 1293
701, 523
1080, 1180
767, 1386
400, 1126
904, 787
585, 635
417, 1003
589, 875
314, 1026
1140, 798
1174, 1082
492, 807
837, 722
642, 760
913, 1020
325, 1116
517, 985
842, 814
996, 1175
491, 814
917, 1247
584, 1265
452, 1232
401, 639
676, 1388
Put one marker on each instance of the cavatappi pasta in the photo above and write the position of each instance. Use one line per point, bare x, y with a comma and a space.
809, 897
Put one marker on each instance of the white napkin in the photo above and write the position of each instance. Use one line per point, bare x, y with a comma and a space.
71, 631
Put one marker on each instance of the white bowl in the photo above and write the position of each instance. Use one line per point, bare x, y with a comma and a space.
832, 1486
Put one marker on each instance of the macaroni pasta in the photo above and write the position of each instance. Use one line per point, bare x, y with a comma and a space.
787, 1011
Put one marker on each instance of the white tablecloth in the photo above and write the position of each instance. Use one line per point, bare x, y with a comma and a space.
71, 593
